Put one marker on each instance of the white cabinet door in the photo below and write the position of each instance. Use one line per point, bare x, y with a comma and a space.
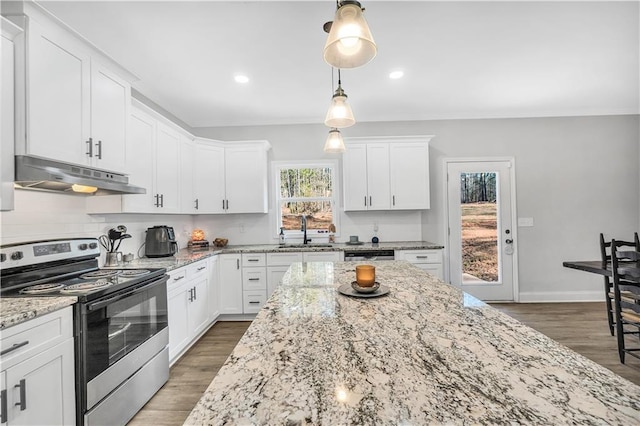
58, 79
7, 129
198, 293
378, 176
178, 305
110, 104
140, 155
274, 278
355, 177
214, 288
246, 179
167, 170
409, 176
188, 203
209, 179
230, 284
42, 388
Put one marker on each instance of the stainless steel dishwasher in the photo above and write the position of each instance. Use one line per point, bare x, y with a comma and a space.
368, 254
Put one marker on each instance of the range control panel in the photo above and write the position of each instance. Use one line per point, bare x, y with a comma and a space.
31, 253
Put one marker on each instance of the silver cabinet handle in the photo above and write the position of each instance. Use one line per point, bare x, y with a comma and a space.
422, 257
90, 147
195, 294
23, 395
99, 145
253, 260
161, 200
254, 279
254, 303
394, 200
178, 278
14, 347
201, 268
237, 263
196, 204
370, 203
365, 200
191, 295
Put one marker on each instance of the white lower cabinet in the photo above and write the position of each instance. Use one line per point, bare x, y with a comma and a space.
322, 256
277, 266
428, 260
188, 305
37, 374
214, 288
254, 282
230, 284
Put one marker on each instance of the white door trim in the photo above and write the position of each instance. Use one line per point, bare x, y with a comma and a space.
514, 215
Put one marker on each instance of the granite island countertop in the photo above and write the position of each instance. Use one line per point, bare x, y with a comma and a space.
426, 353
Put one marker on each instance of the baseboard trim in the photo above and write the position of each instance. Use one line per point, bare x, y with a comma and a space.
561, 296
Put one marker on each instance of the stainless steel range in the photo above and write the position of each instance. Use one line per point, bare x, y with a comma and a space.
120, 322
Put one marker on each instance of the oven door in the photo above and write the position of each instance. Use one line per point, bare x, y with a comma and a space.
120, 333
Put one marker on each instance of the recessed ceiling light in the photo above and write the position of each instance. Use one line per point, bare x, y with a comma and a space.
241, 78
394, 75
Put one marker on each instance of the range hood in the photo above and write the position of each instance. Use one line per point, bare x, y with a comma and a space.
50, 175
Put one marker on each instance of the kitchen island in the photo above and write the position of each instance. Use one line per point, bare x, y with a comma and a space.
424, 353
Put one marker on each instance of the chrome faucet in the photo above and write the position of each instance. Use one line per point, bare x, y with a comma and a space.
305, 240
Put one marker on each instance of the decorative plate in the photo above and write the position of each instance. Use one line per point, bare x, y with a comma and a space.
347, 290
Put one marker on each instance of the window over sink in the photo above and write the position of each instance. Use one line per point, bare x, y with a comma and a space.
306, 189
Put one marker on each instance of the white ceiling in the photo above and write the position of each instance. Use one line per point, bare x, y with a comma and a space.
461, 59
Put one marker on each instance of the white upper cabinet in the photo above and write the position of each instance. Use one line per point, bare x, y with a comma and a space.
7, 117
208, 180
76, 107
390, 173
167, 169
246, 177
139, 164
188, 201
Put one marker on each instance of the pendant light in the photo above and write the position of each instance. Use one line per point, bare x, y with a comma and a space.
350, 43
339, 114
334, 142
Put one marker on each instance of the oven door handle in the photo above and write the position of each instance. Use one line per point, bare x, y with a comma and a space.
102, 303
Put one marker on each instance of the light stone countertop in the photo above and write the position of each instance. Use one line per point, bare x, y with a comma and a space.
15, 310
185, 256
426, 353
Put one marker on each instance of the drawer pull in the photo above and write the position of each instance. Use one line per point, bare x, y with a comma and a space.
254, 303
253, 260
14, 347
3, 406
178, 278
201, 268
422, 257
254, 279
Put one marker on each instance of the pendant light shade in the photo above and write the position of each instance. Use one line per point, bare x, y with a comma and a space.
350, 43
339, 114
334, 142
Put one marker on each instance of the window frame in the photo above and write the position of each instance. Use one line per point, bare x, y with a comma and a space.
277, 166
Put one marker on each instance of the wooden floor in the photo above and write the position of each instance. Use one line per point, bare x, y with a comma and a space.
580, 326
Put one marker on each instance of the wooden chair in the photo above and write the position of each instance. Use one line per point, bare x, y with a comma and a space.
608, 283
625, 267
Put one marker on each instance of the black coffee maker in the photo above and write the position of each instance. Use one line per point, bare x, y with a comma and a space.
160, 242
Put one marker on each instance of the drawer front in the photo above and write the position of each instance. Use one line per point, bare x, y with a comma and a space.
283, 259
254, 259
432, 268
34, 336
197, 268
325, 256
177, 277
253, 301
423, 256
254, 278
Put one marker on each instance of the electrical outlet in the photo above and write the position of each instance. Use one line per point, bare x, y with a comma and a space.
242, 228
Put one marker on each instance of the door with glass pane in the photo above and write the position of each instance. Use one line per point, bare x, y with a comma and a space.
481, 238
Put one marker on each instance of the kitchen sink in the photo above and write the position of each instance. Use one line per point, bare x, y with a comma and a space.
305, 245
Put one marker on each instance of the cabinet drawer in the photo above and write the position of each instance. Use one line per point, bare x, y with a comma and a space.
177, 276
422, 256
197, 268
253, 301
254, 259
325, 256
283, 259
432, 268
254, 279
36, 335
